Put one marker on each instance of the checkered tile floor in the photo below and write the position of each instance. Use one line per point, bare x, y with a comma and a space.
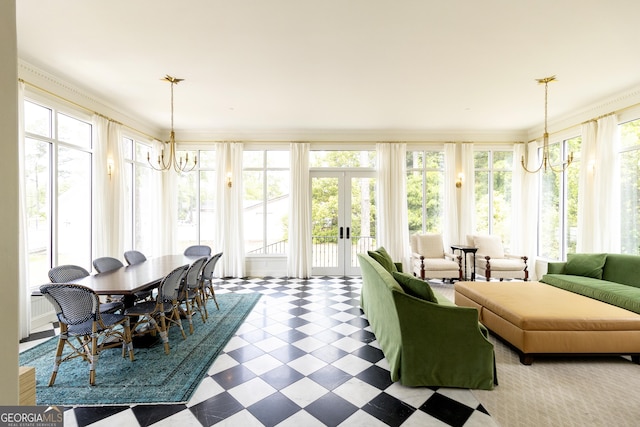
305, 356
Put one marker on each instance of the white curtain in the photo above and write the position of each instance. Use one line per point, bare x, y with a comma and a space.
467, 197
229, 230
607, 186
393, 226
101, 190
450, 232
169, 212
525, 206
117, 197
587, 201
161, 204
23, 238
300, 245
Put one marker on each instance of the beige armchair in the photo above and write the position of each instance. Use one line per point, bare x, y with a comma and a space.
493, 262
430, 261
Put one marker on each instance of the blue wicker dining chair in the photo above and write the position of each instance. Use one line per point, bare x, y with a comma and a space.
106, 263
191, 293
83, 328
207, 282
198, 250
69, 273
157, 316
134, 257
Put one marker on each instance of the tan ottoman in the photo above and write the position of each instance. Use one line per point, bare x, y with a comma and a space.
537, 318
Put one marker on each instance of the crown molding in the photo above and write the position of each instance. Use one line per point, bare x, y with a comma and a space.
67, 92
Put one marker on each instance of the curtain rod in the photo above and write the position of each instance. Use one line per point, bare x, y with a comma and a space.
48, 92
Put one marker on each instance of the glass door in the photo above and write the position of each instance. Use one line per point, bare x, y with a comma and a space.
343, 220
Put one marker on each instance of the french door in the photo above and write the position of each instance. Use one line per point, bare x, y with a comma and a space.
343, 220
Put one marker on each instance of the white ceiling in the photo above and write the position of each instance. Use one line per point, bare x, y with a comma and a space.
337, 65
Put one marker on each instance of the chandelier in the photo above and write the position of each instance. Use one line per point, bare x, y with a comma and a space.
172, 160
546, 157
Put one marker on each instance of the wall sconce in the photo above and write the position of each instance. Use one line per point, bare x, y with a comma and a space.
459, 181
229, 183
109, 167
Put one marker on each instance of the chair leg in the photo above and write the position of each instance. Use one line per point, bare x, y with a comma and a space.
213, 295
58, 357
164, 333
93, 358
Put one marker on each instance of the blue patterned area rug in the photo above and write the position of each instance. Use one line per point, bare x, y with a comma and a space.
154, 377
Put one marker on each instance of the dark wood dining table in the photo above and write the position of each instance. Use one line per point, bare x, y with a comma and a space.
128, 280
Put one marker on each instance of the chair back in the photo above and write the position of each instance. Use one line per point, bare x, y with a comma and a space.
74, 304
210, 266
169, 288
67, 273
429, 245
193, 273
198, 250
134, 257
106, 263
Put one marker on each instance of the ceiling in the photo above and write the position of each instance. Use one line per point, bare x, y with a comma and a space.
299, 66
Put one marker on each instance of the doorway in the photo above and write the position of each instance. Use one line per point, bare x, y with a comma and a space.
343, 216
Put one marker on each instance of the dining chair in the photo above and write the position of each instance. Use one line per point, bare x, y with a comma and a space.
78, 310
191, 295
198, 250
68, 273
134, 257
157, 316
207, 282
106, 263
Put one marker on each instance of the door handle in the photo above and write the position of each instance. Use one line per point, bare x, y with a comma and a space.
348, 233
341, 232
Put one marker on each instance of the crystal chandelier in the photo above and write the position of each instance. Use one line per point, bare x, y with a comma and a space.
172, 161
546, 157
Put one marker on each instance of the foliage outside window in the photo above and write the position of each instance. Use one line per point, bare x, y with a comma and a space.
58, 189
630, 186
266, 201
197, 201
425, 191
493, 182
558, 215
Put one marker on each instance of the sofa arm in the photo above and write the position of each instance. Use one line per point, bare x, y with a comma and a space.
443, 341
555, 267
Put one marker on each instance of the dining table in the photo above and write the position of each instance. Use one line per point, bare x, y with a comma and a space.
128, 280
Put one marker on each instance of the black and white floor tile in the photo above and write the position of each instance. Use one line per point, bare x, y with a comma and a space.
305, 356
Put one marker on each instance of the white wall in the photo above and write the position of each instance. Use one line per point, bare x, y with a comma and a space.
9, 196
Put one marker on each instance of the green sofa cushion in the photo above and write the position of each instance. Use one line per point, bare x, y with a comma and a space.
623, 296
586, 265
415, 287
384, 259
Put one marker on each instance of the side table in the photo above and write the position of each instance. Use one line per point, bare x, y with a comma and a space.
464, 250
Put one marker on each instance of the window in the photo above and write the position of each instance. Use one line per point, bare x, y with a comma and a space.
630, 186
493, 179
425, 191
58, 182
558, 207
196, 201
266, 201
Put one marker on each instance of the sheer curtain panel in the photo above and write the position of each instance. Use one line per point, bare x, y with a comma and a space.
393, 226
299, 260
450, 220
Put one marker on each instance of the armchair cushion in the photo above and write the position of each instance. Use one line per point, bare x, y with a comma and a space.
382, 256
588, 265
415, 287
429, 245
489, 245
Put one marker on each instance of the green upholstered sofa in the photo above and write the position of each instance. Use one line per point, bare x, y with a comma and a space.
610, 278
425, 343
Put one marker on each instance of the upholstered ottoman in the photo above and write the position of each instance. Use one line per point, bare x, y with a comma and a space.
536, 319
